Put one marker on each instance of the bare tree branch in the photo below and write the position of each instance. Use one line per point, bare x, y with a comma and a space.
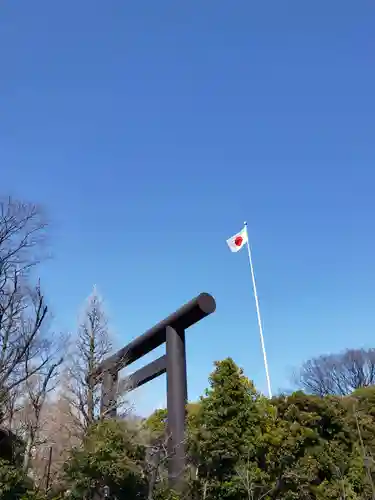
91, 346
37, 388
22, 307
338, 374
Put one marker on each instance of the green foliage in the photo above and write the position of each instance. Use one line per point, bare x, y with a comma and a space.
289, 448
110, 456
319, 454
13, 483
162, 492
228, 431
240, 446
157, 423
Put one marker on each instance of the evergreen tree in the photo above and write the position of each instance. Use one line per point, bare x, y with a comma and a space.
228, 431
313, 452
110, 456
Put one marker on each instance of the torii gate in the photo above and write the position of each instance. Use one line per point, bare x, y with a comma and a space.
171, 331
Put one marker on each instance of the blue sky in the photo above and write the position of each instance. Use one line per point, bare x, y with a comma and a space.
151, 130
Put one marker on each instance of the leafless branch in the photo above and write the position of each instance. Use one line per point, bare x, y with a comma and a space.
338, 374
41, 373
90, 347
22, 307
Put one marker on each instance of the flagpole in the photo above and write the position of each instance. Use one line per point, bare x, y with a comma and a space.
258, 314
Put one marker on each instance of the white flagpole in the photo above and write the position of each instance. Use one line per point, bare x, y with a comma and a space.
258, 314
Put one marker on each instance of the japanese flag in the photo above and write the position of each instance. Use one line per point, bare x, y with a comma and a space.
236, 242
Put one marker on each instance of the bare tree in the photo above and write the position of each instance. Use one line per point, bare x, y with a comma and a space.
338, 374
22, 230
23, 310
29, 359
90, 348
57, 436
37, 388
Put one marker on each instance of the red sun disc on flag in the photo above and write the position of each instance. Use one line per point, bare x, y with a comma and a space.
238, 241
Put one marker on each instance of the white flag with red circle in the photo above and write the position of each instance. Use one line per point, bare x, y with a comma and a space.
236, 242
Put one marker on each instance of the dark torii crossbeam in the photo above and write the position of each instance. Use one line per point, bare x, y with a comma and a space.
171, 331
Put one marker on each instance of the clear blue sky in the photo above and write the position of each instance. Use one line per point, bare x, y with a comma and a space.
151, 129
